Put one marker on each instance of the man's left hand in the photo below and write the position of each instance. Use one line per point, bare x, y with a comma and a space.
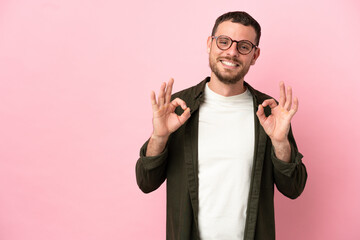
277, 124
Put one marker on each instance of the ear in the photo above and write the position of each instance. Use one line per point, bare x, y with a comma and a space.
209, 41
256, 55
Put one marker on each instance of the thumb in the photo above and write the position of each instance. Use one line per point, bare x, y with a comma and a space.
185, 116
261, 114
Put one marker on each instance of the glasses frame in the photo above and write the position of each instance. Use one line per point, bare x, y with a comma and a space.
237, 44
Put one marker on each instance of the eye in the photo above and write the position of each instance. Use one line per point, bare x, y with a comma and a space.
223, 41
244, 46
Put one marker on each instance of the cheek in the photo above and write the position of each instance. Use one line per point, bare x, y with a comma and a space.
247, 59
216, 54
213, 55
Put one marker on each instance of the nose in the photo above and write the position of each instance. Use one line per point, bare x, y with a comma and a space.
232, 51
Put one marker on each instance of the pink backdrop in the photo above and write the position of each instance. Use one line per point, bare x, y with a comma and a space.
75, 81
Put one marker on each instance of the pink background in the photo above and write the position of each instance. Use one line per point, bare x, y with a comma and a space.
75, 82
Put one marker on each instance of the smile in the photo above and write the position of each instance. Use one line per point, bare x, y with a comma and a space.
230, 64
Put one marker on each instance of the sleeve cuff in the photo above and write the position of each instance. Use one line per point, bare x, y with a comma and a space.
284, 167
152, 161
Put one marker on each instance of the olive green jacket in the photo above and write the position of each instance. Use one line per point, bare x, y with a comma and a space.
178, 164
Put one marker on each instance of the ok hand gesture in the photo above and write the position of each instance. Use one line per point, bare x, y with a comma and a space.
277, 124
165, 120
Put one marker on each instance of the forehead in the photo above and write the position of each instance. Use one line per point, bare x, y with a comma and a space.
236, 31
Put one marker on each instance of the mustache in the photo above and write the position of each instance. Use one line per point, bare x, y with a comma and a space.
231, 59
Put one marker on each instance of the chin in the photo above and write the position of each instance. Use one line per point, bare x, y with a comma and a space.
229, 78
228, 81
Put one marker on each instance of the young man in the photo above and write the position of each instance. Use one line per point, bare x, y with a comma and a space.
222, 145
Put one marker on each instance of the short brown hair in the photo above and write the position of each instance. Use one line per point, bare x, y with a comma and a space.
239, 17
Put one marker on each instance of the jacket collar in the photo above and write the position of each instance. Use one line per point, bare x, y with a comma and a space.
200, 88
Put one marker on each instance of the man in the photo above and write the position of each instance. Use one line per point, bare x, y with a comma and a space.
222, 145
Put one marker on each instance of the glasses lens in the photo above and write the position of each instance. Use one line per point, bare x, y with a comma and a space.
244, 47
223, 42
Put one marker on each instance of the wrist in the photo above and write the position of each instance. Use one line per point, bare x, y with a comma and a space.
156, 145
280, 143
159, 139
282, 150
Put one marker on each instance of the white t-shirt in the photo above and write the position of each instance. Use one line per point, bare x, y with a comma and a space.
226, 149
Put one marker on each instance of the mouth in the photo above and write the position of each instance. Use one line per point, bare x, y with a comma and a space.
229, 64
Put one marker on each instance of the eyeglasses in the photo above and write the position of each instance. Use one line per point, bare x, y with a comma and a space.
244, 47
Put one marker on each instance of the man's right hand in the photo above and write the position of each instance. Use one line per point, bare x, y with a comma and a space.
165, 120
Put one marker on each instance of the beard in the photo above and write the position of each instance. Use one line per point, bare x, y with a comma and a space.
227, 77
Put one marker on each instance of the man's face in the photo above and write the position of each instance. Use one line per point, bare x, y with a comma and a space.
229, 66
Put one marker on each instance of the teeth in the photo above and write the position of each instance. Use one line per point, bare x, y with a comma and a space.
229, 63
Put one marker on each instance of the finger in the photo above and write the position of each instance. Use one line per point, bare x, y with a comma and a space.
178, 102
169, 90
269, 102
261, 114
282, 98
161, 96
153, 101
295, 107
288, 101
185, 116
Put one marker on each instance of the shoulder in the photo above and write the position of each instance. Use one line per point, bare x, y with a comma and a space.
259, 96
189, 94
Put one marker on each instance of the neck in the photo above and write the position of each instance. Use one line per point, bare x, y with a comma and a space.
226, 90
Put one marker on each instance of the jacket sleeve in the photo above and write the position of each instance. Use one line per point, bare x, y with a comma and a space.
290, 178
150, 171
